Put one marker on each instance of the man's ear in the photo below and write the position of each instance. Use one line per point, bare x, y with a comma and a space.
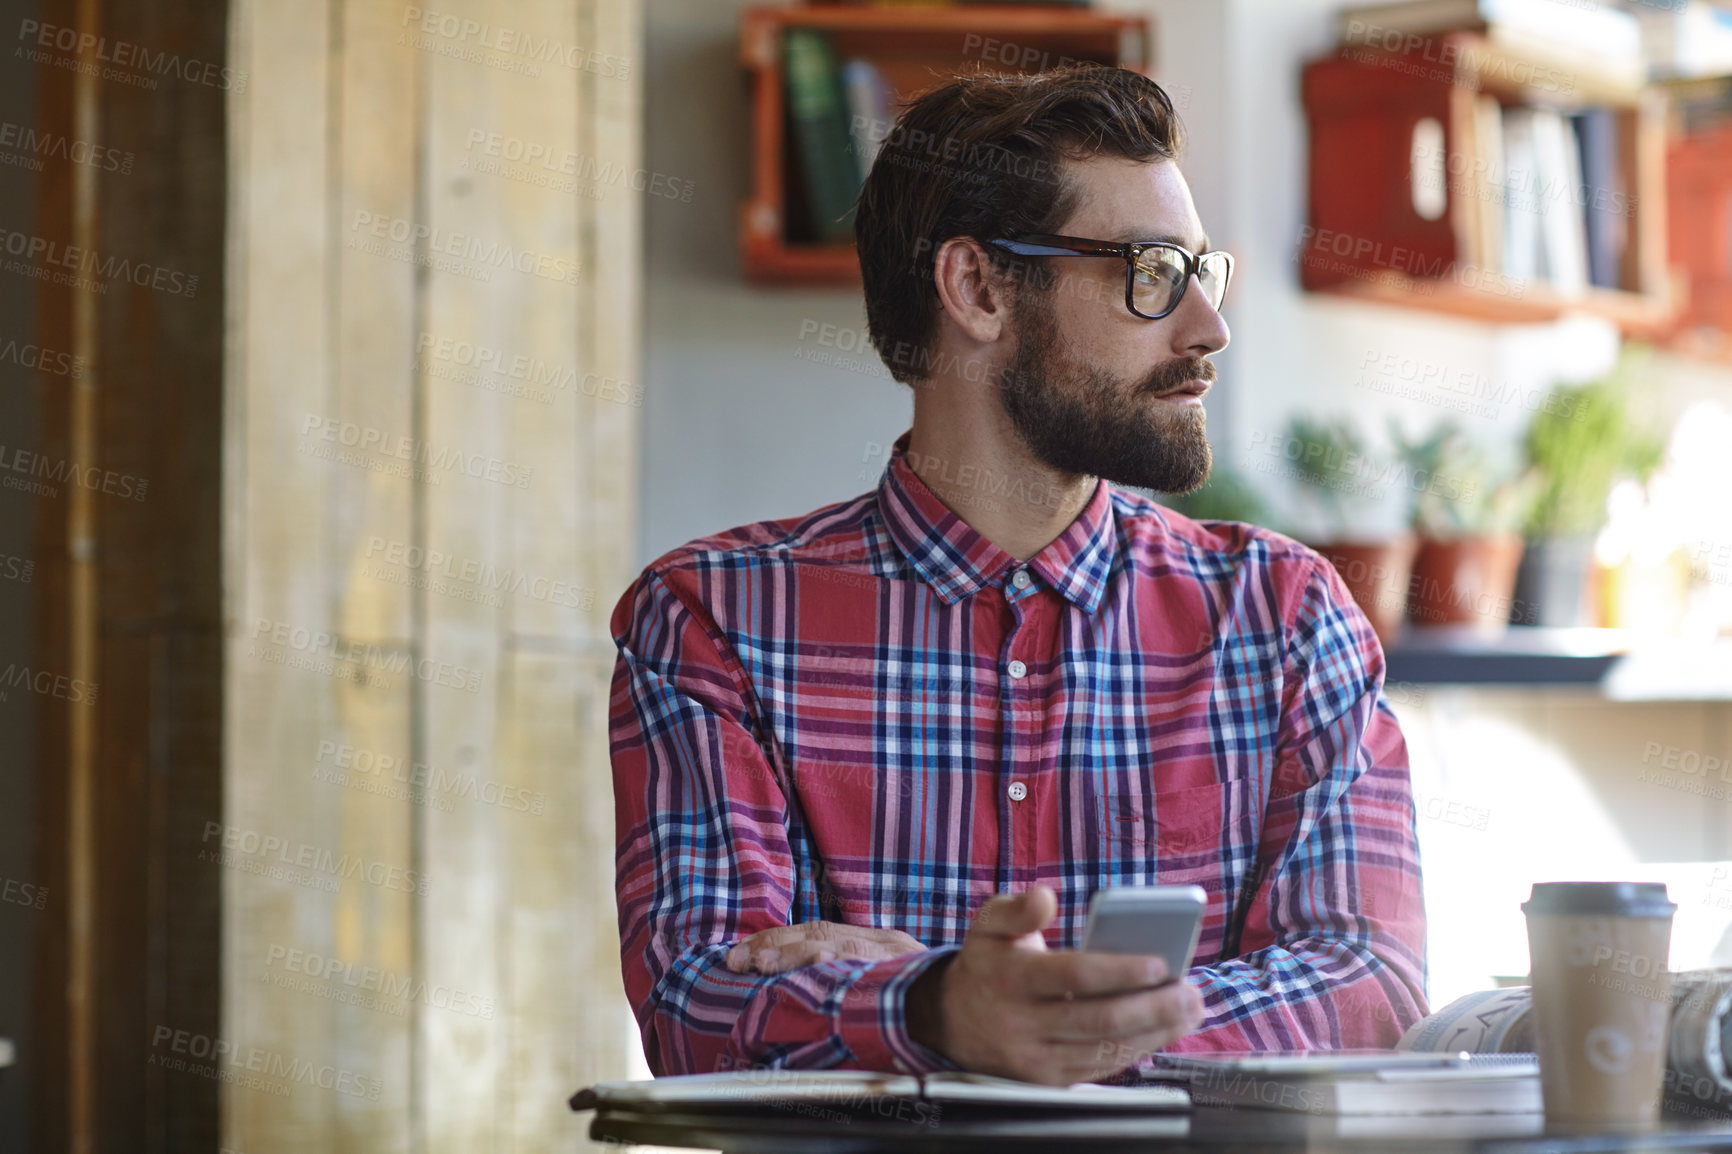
972, 293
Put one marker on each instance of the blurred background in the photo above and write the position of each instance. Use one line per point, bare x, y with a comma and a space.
355, 356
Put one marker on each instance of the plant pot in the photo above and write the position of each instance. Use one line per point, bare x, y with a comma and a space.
1464, 581
1552, 583
1376, 573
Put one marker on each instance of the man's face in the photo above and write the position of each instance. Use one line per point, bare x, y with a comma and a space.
1093, 389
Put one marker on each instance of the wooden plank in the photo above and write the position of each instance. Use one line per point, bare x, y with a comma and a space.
609, 529
501, 712
363, 758
552, 1042
569, 1027
515, 878
127, 592
280, 360
477, 301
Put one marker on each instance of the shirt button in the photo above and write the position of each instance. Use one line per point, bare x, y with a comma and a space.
1020, 579
1017, 791
1017, 669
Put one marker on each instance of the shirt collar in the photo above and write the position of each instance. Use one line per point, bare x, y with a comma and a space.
957, 561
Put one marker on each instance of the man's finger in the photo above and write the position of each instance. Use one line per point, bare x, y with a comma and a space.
794, 957
778, 936
797, 954
1175, 1007
748, 954
1107, 1057
1085, 975
1015, 915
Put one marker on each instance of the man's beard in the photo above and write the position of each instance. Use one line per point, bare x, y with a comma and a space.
1080, 419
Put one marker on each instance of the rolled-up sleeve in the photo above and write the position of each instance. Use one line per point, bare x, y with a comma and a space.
704, 860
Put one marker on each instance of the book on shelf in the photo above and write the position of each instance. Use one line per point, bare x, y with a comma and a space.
1562, 209
1486, 182
868, 111
1521, 222
1362, 1082
1608, 40
1563, 246
1604, 199
822, 149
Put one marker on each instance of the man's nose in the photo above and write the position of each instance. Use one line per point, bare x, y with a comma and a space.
1201, 329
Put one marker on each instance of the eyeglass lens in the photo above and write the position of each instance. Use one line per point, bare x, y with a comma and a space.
1160, 277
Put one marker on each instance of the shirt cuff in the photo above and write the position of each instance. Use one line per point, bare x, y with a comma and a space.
874, 1016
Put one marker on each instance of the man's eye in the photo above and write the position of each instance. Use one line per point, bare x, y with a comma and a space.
1157, 272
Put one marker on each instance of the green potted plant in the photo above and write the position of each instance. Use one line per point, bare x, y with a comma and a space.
1580, 443
1467, 511
1225, 496
1330, 460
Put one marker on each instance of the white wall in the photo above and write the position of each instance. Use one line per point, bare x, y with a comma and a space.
739, 427
736, 428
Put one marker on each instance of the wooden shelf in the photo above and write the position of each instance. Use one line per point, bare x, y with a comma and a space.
915, 48
1619, 664
1634, 313
1365, 238
1518, 655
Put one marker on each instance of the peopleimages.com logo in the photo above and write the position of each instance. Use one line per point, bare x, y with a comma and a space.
253, 1067
285, 637
336, 868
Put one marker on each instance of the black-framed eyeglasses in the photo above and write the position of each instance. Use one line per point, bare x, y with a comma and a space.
1157, 272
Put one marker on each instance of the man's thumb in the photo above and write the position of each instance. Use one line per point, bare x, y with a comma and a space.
1014, 915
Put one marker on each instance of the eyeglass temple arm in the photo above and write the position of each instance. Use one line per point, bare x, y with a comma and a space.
1057, 248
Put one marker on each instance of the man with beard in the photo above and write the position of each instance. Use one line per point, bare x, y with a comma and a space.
870, 764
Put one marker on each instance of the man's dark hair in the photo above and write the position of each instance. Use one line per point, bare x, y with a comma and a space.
981, 156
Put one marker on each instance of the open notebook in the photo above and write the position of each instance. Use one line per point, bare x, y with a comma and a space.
770, 1088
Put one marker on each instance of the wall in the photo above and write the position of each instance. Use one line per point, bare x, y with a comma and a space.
1523, 785
21, 418
417, 848
739, 425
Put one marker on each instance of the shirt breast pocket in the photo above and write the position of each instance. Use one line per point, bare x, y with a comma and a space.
1206, 837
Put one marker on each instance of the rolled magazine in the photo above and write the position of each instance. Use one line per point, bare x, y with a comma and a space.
1697, 1080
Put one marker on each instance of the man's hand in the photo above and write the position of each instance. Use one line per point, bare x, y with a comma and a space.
1004, 1004
784, 948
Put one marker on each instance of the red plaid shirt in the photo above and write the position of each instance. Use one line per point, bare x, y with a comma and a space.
873, 715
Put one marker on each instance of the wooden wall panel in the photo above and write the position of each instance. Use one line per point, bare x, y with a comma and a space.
280, 361
370, 517
481, 583
125, 767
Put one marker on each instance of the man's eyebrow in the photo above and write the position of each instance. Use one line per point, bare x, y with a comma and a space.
1167, 237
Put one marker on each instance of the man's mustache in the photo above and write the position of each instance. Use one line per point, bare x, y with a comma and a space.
1172, 374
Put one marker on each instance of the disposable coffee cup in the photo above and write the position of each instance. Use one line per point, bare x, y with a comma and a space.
1601, 997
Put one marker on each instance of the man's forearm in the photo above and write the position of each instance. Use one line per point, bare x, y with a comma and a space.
1309, 994
844, 1013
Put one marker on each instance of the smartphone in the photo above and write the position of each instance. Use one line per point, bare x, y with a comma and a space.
1160, 920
